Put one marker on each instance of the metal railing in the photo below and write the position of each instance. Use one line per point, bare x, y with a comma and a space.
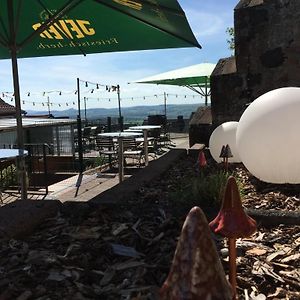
36, 165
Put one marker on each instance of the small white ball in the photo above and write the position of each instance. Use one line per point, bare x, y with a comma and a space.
224, 134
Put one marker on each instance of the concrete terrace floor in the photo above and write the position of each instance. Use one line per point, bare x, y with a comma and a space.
90, 184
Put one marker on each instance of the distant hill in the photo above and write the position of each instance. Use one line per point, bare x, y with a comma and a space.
129, 113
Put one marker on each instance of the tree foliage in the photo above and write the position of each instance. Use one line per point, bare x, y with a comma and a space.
230, 40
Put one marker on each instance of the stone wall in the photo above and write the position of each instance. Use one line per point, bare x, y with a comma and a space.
267, 48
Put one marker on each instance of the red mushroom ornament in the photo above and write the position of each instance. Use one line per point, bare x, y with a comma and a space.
232, 222
202, 160
196, 272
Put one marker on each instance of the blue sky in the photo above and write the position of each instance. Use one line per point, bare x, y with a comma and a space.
208, 20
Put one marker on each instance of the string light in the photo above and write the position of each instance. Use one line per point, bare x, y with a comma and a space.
107, 87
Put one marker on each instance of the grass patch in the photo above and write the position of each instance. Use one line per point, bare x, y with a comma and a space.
203, 190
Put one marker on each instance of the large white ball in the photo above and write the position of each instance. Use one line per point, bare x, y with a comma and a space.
268, 136
224, 134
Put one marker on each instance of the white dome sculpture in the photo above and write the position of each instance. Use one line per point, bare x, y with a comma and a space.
268, 136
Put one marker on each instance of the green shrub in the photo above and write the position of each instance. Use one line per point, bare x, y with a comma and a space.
8, 177
202, 190
95, 162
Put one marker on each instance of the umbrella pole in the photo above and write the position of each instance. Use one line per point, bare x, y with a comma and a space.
165, 104
79, 132
20, 137
206, 95
120, 114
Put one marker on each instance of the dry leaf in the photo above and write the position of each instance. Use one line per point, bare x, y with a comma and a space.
256, 251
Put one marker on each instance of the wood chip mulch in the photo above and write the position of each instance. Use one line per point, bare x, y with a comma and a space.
124, 251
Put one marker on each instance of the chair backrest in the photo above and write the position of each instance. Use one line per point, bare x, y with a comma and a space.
129, 143
104, 143
154, 132
86, 131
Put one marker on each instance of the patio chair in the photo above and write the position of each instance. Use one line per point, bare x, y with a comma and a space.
164, 137
106, 148
131, 150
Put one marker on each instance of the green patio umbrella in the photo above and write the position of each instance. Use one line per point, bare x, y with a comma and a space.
196, 78
34, 28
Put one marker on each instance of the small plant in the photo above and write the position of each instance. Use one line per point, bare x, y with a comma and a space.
95, 162
203, 190
230, 40
8, 177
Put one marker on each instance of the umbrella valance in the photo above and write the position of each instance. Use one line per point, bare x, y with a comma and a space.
196, 75
56, 27
196, 78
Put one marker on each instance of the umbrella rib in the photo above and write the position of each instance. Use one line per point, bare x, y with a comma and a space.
195, 90
201, 89
67, 7
150, 24
18, 16
57, 26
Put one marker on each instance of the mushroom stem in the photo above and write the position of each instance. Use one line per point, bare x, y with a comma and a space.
232, 266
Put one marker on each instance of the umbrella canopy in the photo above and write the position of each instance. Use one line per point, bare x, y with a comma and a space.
34, 28
196, 78
56, 27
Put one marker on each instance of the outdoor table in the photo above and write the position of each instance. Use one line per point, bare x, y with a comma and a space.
120, 136
133, 130
145, 129
12, 153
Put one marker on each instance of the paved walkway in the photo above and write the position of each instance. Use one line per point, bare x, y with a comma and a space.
87, 186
